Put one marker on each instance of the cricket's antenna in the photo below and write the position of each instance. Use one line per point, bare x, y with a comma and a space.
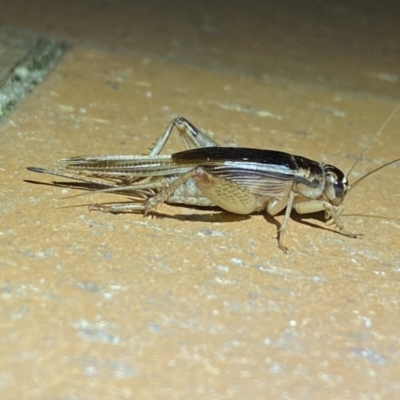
367, 147
372, 172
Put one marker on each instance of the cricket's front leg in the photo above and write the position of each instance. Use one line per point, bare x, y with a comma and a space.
334, 214
331, 212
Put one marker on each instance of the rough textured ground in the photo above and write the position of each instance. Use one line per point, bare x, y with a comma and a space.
195, 303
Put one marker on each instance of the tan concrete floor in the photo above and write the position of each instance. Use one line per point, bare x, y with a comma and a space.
201, 304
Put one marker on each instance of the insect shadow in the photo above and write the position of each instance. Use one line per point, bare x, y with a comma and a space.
223, 216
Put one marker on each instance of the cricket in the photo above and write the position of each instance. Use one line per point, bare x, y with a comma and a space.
236, 179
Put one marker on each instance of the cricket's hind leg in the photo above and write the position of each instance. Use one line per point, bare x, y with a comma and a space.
192, 137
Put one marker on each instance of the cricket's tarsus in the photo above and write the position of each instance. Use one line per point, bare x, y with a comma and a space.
239, 180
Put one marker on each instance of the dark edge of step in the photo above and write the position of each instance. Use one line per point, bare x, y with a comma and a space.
41, 58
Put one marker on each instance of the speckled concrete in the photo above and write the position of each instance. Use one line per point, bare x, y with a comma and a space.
195, 303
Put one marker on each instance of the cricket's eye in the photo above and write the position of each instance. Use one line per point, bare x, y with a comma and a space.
340, 188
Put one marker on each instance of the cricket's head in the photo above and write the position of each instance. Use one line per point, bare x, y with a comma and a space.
336, 184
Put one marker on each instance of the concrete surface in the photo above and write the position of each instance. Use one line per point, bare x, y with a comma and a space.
197, 303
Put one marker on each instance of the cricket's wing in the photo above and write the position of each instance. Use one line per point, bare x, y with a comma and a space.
263, 172
130, 166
